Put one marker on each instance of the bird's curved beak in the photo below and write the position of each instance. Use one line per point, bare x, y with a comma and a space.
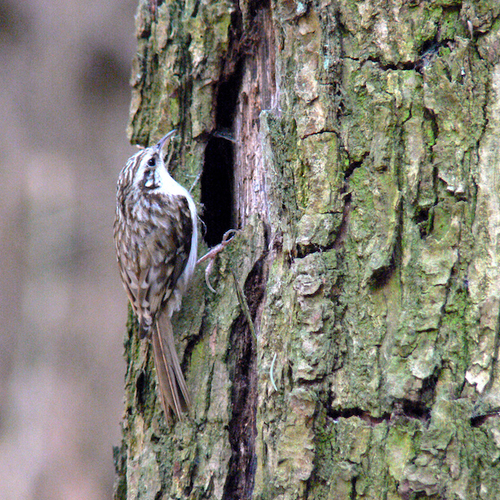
164, 139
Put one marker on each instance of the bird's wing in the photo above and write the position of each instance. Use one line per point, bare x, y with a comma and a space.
152, 264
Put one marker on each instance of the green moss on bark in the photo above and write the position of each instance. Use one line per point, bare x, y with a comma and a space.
377, 312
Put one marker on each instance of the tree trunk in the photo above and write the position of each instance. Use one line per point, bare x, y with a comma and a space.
363, 176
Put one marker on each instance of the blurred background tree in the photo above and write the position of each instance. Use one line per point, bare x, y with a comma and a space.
64, 103
364, 178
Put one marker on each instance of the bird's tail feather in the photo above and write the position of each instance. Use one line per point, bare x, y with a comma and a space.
173, 389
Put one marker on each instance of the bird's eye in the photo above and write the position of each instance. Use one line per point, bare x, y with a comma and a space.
152, 162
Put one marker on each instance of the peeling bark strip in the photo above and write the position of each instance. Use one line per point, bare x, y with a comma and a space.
258, 93
362, 170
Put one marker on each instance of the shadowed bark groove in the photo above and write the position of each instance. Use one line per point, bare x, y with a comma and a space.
242, 427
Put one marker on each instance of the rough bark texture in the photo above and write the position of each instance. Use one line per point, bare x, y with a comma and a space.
365, 181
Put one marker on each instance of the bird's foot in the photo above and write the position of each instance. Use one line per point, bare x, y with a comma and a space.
213, 252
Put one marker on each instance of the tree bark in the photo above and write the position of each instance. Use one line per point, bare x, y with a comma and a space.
362, 172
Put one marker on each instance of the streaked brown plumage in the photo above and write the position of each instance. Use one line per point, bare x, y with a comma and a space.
156, 245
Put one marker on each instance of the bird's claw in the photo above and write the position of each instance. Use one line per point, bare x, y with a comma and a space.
213, 252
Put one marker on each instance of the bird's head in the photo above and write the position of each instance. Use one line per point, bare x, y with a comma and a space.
149, 166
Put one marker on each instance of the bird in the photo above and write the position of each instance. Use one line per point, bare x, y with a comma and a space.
156, 240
